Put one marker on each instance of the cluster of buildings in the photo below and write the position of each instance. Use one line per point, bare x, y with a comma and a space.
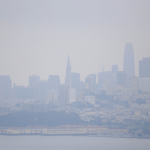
123, 85
67, 130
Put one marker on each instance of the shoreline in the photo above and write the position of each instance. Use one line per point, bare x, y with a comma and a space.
85, 135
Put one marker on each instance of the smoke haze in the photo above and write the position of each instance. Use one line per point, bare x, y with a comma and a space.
37, 36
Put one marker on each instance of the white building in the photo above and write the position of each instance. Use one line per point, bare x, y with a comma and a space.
133, 84
90, 99
144, 84
89, 83
109, 89
51, 96
71, 96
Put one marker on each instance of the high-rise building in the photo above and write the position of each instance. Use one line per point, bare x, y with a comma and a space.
144, 68
90, 99
104, 78
121, 78
128, 64
82, 85
109, 89
114, 69
133, 84
94, 81
33, 83
33, 80
144, 84
63, 96
89, 83
22, 92
75, 81
68, 74
42, 87
54, 83
51, 96
71, 95
5, 87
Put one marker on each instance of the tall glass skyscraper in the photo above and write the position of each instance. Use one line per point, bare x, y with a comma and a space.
128, 64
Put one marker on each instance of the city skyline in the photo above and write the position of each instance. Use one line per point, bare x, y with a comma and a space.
38, 43
74, 68
68, 78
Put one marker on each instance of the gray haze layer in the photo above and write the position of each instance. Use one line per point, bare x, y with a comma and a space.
36, 36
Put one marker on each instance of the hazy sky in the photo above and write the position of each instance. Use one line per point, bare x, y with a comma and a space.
36, 36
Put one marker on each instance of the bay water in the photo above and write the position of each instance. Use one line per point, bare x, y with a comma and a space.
71, 143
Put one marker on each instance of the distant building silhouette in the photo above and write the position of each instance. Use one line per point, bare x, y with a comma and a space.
94, 81
128, 64
144, 84
54, 83
33, 80
144, 68
104, 78
133, 84
82, 86
90, 99
63, 96
42, 86
121, 78
114, 69
71, 96
89, 82
5, 87
22, 92
68, 74
75, 81
51, 96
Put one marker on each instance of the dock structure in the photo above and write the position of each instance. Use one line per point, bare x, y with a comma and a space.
65, 130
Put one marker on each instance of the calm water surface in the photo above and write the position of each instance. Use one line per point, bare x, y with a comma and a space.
71, 143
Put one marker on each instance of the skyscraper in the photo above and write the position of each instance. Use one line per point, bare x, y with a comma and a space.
22, 92
133, 84
122, 78
144, 68
94, 81
144, 84
54, 83
5, 87
63, 96
33, 79
34, 84
104, 78
68, 74
114, 69
42, 90
128, 64
75, 81
71, 96
51, 96
89, 83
